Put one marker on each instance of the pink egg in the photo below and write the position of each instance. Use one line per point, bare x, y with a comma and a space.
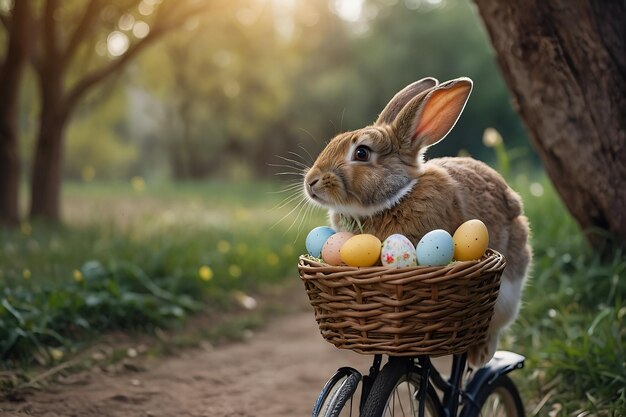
330, 251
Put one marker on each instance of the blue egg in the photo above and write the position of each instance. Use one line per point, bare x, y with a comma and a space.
435, 249
316, 238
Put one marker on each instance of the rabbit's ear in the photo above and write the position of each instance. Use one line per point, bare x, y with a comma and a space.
397, 103
428, 118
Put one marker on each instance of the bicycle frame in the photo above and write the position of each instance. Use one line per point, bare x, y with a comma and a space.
453, 395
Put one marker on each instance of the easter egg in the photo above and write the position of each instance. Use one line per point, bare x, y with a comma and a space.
398, 251
361, 250
316, 238
330, 250
471, 240
436, 248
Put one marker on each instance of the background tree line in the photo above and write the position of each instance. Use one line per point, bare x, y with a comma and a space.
236, 82
230, 89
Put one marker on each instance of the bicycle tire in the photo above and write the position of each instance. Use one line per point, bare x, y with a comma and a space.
393, 374
336, 393
501, 398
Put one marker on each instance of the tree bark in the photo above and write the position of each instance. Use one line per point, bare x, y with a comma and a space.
47, 167
565, 64
10, 80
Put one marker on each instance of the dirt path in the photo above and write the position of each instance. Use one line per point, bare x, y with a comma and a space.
277, 372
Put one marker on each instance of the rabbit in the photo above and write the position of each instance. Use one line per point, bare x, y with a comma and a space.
376, 178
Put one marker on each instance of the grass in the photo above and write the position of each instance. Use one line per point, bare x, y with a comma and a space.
572, 324
138, 259
142, 257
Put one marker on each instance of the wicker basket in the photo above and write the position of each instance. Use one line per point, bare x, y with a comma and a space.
404, 311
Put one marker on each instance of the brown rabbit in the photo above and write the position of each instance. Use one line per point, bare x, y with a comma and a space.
376, 177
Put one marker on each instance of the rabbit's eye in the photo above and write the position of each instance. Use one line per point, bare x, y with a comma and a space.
362, 153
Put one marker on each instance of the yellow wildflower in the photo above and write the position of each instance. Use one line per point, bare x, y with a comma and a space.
272, 259
88, 173
138, 183
234, 271
242, 249
287, 250
26, 274
77, 275
205, 273
56, 354
26, 229
223, 246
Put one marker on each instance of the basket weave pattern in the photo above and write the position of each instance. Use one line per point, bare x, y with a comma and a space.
404, 311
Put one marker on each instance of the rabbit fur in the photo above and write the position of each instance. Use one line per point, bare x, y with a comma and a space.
376, 177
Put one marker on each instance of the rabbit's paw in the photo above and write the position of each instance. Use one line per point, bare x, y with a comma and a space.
479, 355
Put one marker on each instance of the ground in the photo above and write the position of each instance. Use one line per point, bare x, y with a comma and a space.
277, 371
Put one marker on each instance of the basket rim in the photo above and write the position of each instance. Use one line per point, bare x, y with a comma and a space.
491, 256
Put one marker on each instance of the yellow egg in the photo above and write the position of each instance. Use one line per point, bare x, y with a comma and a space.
471, 240
330, 250
361, 250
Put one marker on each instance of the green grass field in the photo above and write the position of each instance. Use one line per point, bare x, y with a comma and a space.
142, 256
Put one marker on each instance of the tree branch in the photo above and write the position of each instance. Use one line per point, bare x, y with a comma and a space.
83, 27
50, 39
96, 76
6, 21
18, 45
158, 30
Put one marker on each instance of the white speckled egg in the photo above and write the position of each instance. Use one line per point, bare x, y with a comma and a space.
436, 248
398, 251
316, 238
330, 251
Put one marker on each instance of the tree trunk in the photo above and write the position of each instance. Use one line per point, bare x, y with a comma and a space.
565, 64
47, 167
10, 80
9, 156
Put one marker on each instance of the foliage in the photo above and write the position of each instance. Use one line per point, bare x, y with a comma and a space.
180, 251
112, 158
571, 326
253, 79
61, 286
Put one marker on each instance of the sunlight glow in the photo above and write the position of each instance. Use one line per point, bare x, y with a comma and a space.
141, 29
146, 7
348, 10
231, 88
126, 22
6, 6
416, 4
117, 43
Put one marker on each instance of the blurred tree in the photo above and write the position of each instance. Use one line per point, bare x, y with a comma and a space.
350, 69
224, 105
77, 45
565, 63
97, 145
17, 25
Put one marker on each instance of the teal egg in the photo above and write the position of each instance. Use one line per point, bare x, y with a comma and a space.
436, 248
316, 238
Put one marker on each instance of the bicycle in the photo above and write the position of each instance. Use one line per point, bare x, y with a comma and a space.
396, 389
412, 314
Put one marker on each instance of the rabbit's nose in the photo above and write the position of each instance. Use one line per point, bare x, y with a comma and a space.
311, 183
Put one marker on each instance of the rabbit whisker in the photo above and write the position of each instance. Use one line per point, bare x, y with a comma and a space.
310, 134
306, 162
296, 168
300, 174
297, 163
303, 200
287, 200
311, 159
